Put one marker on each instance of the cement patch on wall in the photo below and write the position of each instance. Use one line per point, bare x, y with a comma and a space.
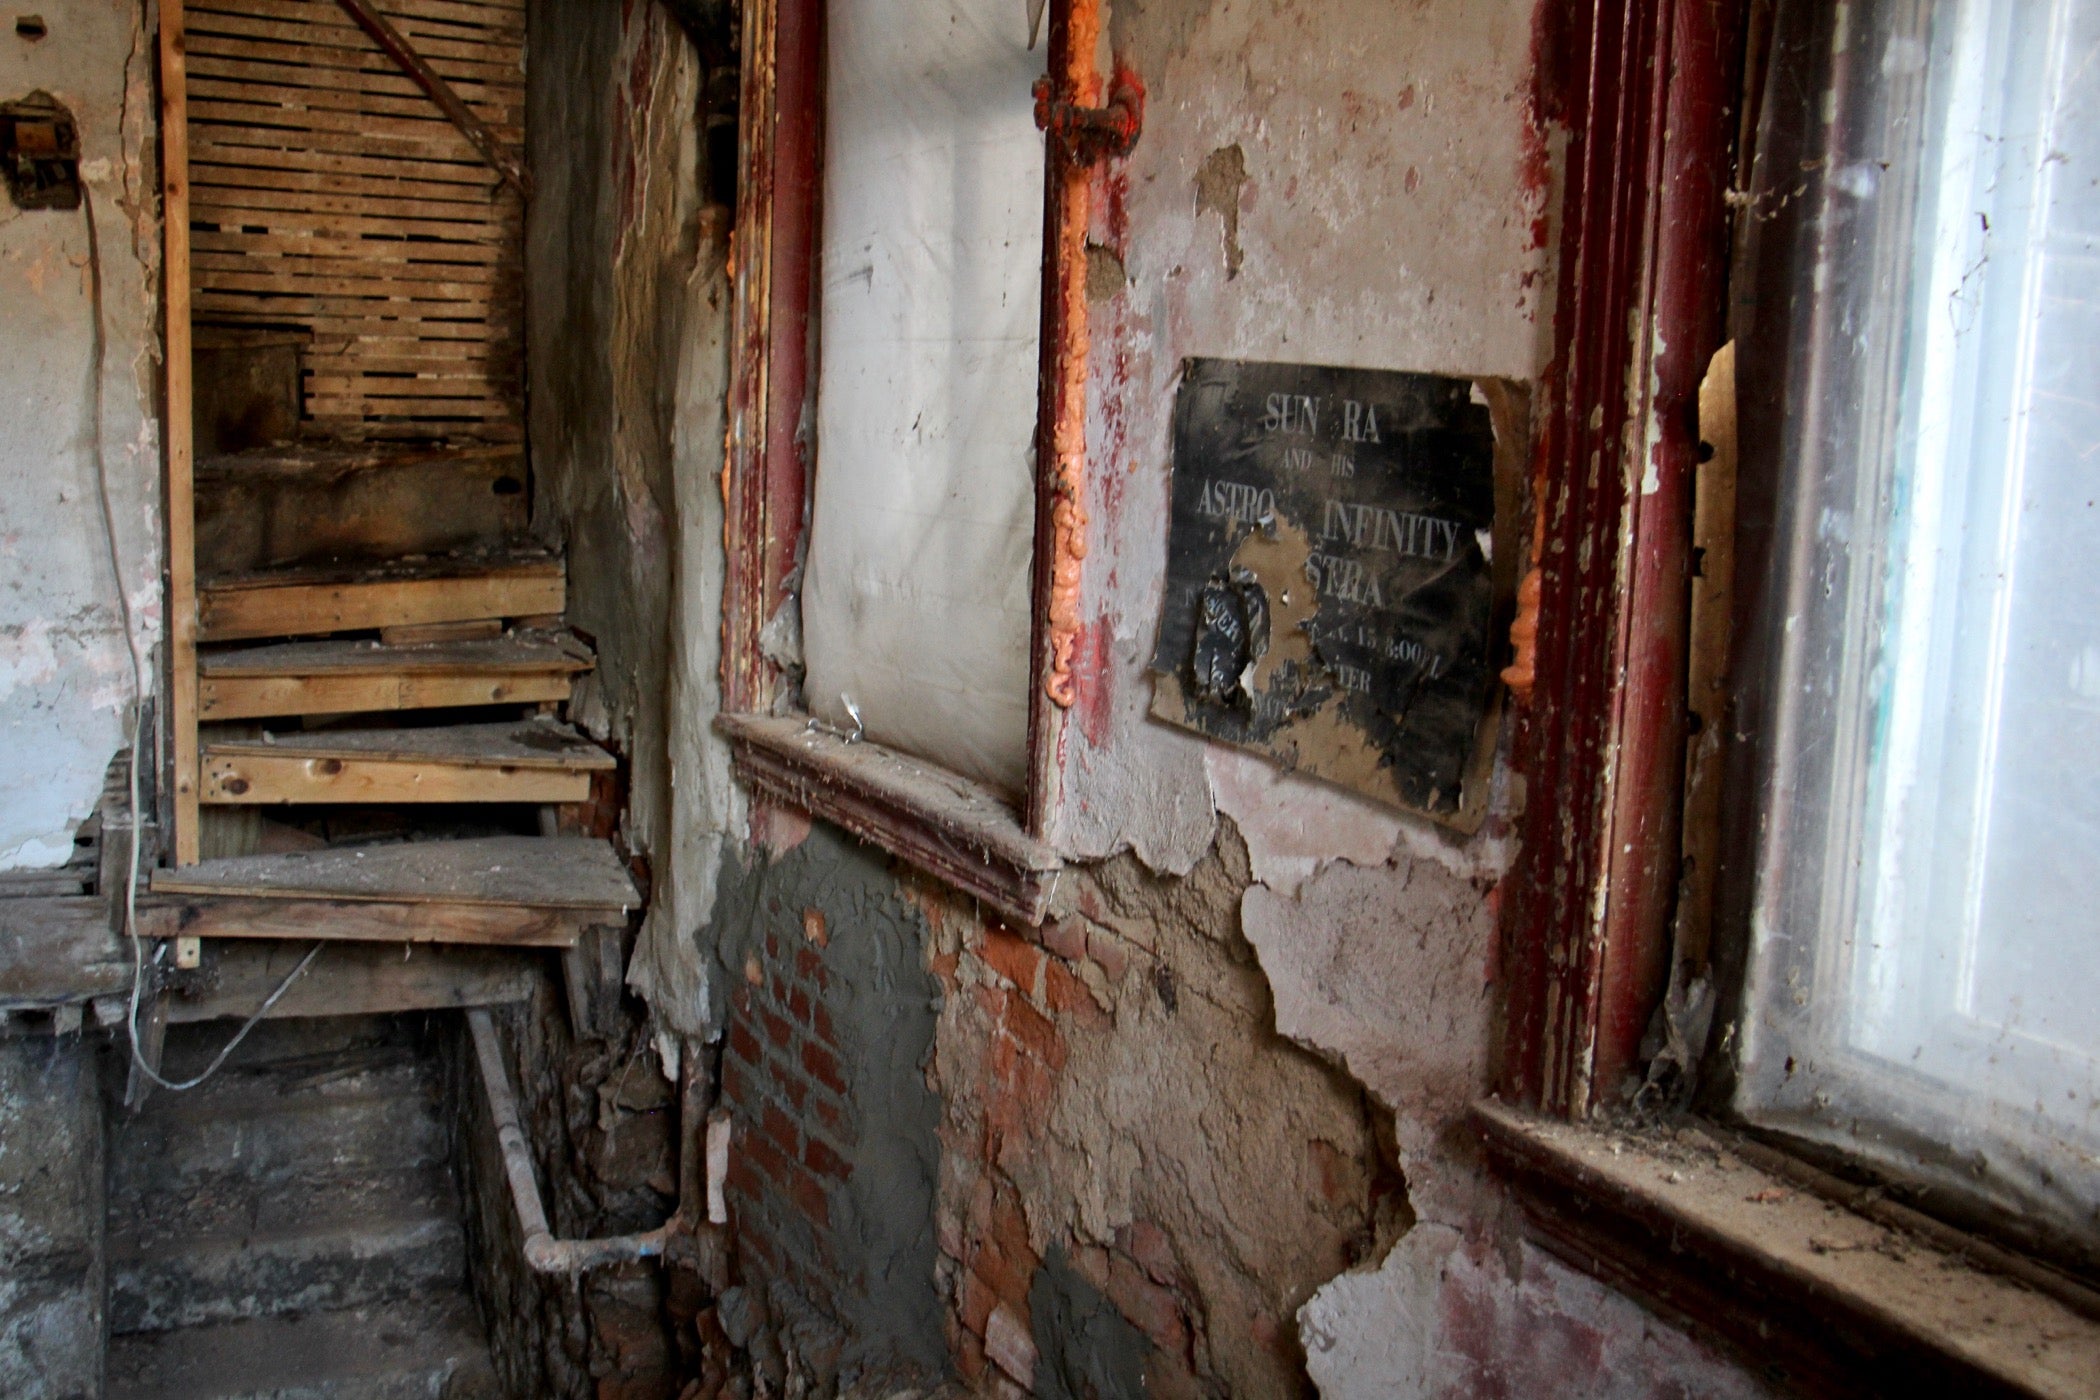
76, 410
836, 897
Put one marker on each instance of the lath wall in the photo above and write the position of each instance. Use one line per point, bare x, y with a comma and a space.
330, 193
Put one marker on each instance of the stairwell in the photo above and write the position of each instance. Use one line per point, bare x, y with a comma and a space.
292, 1229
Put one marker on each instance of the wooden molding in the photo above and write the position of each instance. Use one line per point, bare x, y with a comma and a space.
945, 825
1817, 1298
1647, 96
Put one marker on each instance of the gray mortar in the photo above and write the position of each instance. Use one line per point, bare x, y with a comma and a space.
882, 1002
1084, 1348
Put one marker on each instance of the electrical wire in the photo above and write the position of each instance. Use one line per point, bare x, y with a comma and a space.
99, 347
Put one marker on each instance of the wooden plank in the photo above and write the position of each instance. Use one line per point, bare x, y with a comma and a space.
270, 57
514, 655
59, 950
417, 60
436, 175
354, 979
381, 80
324, 920
321, 248
261, 779
178, 497
517, 745
261, 697
216, 202
541, 872
234, 611
238, 218
487, 29
439, 632
496, 19
246, 108
335, 47
336, 103
353, 677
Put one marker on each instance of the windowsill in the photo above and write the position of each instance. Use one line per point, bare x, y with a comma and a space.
1820, 1298
924, 815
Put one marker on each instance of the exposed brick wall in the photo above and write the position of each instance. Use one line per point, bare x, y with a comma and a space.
782, 1079
834, 1158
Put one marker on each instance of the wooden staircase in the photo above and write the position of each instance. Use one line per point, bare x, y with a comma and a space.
358, 620
314, 686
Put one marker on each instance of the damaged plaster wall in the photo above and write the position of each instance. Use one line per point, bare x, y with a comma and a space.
1359, 185
627, 309
76, 405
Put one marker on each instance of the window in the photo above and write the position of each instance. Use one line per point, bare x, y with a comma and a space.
1920, 669
909, 384
915, 603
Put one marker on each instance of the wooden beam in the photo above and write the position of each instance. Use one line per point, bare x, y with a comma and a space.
178, 494
59, 950
472, 127
331, 920
355, 979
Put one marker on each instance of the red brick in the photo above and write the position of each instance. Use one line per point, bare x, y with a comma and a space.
810, 967
1032, 1030
798, 1005
943, 967
1008, 1276
1005, 1062
831, 1116
772, 945
1066, 938
806, 1192
1090, 1262
744, 1044
1153, 1310
765, 1158
754, 1242
780, 1129
820, 1020
1066, 995
777, 1029
823, 1067
816, 928
736, 1086
795, 1088
819, 1158
969, 1357
1150, 1249
974, 1303
1107, 950
1008, 1231
1013, 958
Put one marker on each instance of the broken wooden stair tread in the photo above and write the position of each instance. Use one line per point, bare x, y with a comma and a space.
533, 760
314, 601
536, 872
351, 676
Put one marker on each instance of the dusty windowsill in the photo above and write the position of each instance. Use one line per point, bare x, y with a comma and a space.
1821, 1298
922, 814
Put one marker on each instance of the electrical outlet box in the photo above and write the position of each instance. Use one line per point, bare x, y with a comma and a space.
40, 153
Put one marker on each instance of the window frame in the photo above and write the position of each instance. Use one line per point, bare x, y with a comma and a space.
939, 821
1614, 872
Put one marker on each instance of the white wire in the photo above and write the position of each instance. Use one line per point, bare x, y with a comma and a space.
138, 703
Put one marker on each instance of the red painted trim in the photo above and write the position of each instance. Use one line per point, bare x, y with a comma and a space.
1600, 744
773, 378
766, 483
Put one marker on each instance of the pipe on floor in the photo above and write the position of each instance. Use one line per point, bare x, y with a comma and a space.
544, 1252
